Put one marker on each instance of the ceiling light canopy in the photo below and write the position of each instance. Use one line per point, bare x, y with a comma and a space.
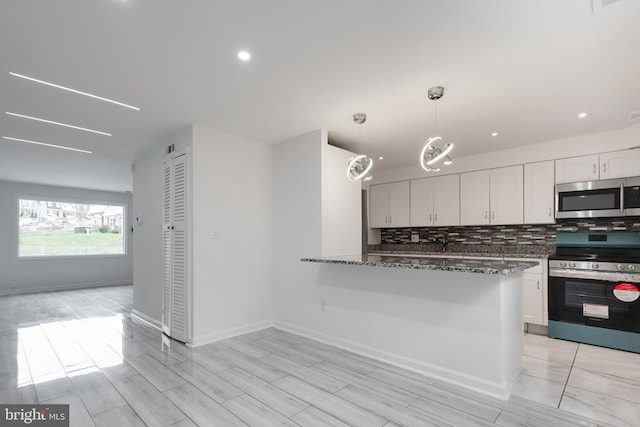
74, 91
45, 144
57, 123
359, 167
243, 55
431, 153
582, 115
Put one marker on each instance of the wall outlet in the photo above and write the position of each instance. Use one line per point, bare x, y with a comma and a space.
415, 238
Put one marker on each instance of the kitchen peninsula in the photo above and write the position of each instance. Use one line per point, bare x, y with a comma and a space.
469, 312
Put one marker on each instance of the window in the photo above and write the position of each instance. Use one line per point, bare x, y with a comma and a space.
49, 228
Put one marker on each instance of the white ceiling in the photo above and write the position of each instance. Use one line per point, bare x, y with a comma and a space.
523, 68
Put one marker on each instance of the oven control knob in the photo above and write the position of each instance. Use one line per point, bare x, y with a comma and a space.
620, 267
632, 267
572, 264
563, 264
595, 266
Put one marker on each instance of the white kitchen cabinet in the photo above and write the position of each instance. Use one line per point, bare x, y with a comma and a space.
492, 196
576, 169
435, 201
446, 200
539, 193
620, 164
507, 195
422, 202
389, 205
475, 197
534, 294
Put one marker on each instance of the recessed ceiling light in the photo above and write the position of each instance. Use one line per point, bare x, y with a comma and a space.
381, 158
58, 123
582, 115
45, 144
243, 55
74, 91
494, 134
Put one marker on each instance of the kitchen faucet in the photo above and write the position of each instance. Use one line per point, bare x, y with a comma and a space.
444, 242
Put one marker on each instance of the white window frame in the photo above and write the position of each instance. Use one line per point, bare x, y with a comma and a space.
63, 199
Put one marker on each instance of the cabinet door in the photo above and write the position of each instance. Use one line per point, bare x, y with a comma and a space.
474, 198
507, 195
379, 205
576, 169
422, 202
620, 164
446, 200
532, 298
399, 200
539, 193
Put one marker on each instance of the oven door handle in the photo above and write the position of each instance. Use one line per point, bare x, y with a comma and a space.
596, 275
622, 197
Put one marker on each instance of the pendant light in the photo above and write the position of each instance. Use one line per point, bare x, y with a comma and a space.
431, 153
359, 167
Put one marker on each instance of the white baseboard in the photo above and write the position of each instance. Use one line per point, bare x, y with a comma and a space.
229, 333
66, 287
146, 320
476, 384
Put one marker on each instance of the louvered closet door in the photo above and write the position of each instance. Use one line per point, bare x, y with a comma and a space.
174, 215
179, 243
167, 246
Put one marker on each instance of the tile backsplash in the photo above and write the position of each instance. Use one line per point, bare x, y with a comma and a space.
533, 234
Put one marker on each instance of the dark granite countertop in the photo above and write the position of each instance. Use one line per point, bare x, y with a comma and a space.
459, 250
484, 266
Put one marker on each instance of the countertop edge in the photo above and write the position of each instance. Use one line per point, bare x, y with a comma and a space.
523, 265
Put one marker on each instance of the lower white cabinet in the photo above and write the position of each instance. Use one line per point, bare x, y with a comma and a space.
534, 294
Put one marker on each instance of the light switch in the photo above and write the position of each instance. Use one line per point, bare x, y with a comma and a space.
139, 219
415, 238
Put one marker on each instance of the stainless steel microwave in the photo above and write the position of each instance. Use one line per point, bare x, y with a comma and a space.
591, 199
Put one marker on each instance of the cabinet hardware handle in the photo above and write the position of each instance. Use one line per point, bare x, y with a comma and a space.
493, 214
390, 220
549, 211
594, 168
538, 283
485, 214
436, 217
604, 167
430, 217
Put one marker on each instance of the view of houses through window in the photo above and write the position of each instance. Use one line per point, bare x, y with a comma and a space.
55, 228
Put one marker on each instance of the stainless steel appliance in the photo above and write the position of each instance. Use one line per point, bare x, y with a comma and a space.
606, 198
594, 289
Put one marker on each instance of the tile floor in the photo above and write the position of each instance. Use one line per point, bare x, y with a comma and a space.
82, 348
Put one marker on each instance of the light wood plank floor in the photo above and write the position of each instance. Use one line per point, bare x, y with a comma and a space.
82, 348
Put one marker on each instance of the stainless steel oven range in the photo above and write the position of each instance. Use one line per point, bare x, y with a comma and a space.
594, 289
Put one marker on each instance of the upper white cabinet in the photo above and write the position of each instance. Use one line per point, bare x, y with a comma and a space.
474, 197
492, 196
576, 169
620, 164
507, 195
539, 193
616, 164
435, 201
389, 205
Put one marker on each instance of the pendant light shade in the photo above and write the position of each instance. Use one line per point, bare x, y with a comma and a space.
431, 153
359, 167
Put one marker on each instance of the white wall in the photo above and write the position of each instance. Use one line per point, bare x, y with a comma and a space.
32, 275
341, 205
232, 195
147, 204
297, 226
